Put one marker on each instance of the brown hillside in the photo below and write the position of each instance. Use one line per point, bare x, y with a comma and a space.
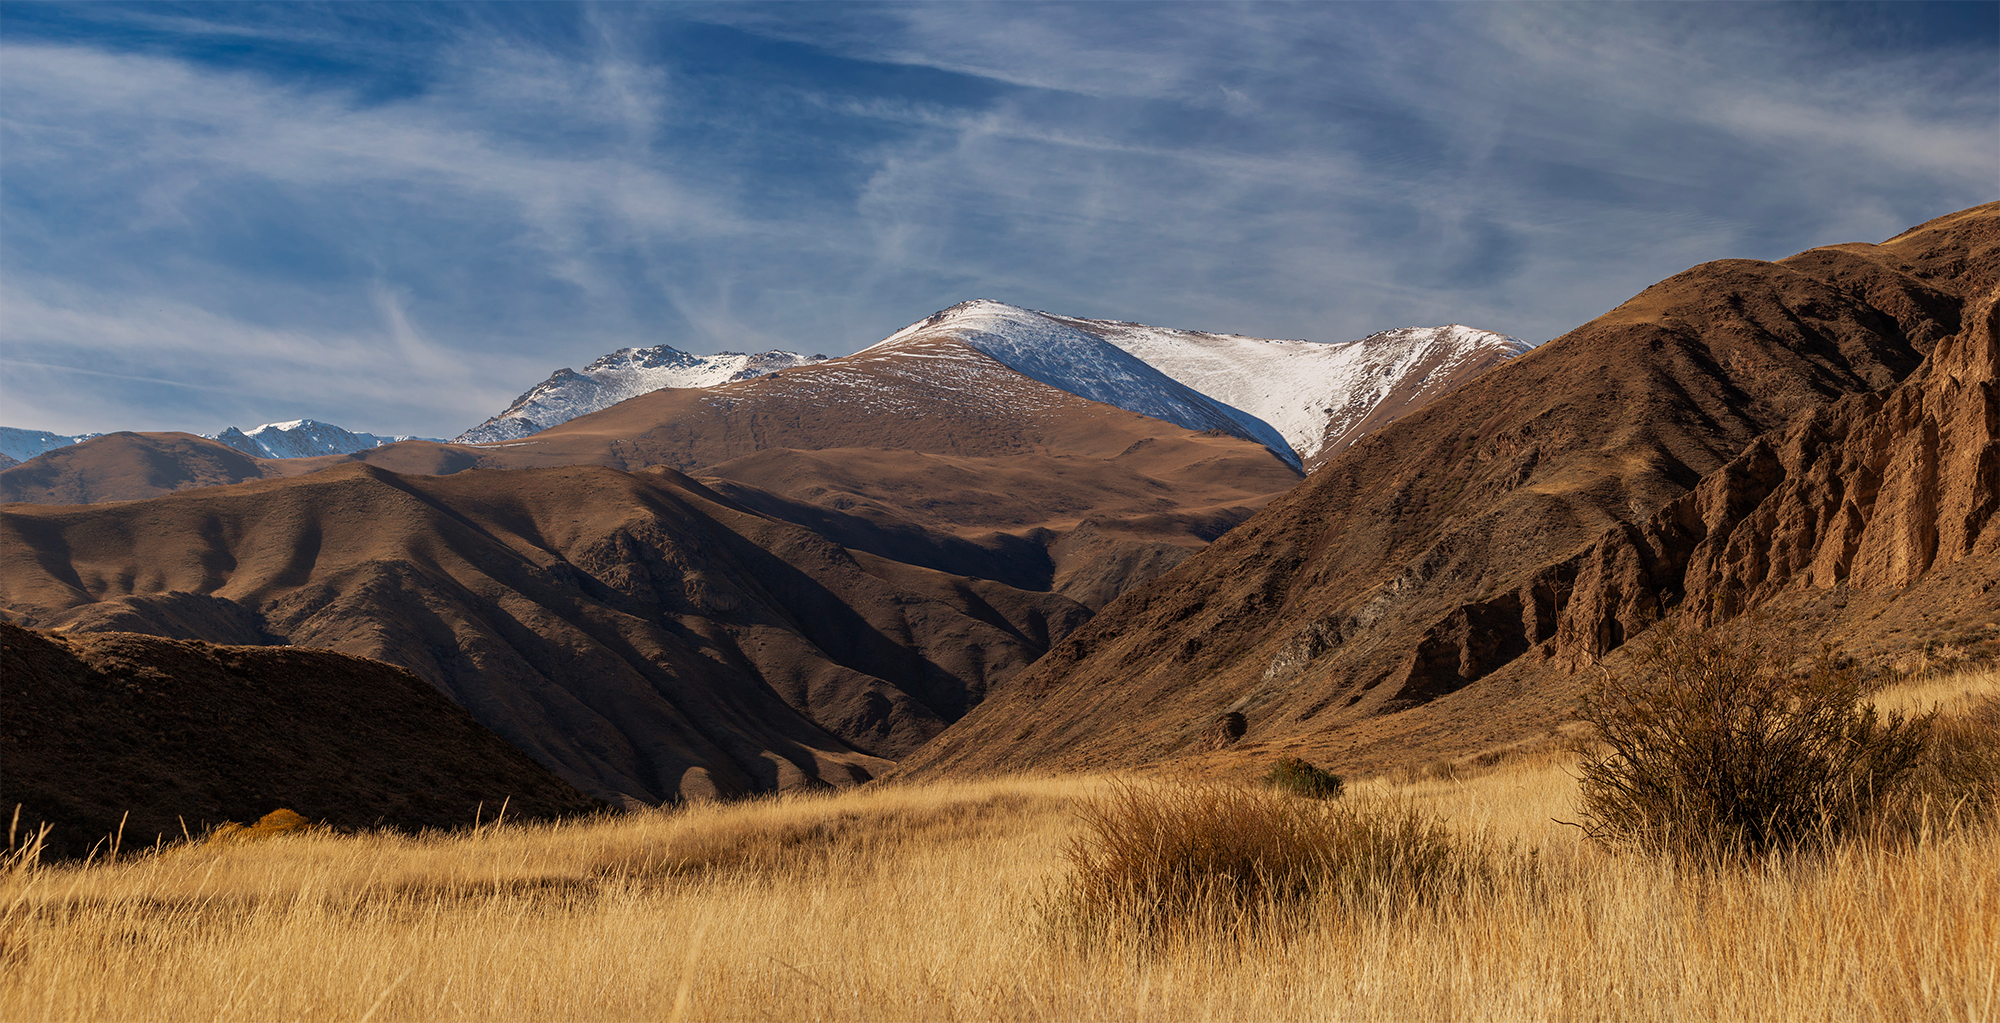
1400, 602
932, 432
1872, 516
170, 732
643, 635
127, 467
924, 435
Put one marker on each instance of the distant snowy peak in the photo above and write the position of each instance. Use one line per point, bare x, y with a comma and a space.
1304, 399
1067, 353
625, 373
301, 438
21, 445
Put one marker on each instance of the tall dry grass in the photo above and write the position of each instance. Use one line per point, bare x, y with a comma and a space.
930, 903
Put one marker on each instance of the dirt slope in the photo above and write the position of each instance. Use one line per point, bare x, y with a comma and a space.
127, 467
1413, 597
641, 634
99, 726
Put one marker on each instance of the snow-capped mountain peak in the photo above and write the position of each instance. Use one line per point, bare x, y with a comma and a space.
1063, 353
1305, 399
301, 438
1302, 399
625, 373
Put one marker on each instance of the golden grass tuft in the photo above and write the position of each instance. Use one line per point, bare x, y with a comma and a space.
1177, 863
926, 902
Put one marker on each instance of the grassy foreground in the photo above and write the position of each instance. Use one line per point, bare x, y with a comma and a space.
935, 902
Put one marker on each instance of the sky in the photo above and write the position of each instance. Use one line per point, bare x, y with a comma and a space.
396, 218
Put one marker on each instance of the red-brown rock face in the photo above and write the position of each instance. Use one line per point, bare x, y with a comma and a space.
1872, 495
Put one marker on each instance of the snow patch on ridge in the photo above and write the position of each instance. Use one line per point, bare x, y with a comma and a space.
1312, 392
21, 445
625, 373
1060, 352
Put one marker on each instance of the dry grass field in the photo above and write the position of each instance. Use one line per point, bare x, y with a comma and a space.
941, 902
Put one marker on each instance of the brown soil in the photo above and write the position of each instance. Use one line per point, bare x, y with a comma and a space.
1433, 590
155, 733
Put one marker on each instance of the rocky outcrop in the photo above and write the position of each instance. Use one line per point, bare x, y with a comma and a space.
1870, 494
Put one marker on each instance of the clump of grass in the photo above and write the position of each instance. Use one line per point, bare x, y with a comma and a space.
1300, 778
1160, 862
1956, 779
1712, 751
278, 822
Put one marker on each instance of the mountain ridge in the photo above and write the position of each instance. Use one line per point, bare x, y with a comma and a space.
1403, 600
303, 438
625, 373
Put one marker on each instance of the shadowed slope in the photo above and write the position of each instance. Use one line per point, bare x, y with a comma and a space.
186, 734
127, 467
644, 636
1415, 567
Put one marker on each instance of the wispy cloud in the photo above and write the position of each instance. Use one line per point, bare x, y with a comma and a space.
71, 353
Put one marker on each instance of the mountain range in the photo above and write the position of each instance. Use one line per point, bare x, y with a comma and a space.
1006, 540
17, 445
1813, 437
1323, 396
873, 543
300, 438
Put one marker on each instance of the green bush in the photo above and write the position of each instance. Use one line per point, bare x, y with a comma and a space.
1155, 862
1300, 778
1711, 749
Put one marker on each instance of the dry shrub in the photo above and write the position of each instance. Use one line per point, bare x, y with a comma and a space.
1712, 751
1164, 862
1956, 779
1300, 778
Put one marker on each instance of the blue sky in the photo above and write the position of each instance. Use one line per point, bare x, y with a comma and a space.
398, 217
